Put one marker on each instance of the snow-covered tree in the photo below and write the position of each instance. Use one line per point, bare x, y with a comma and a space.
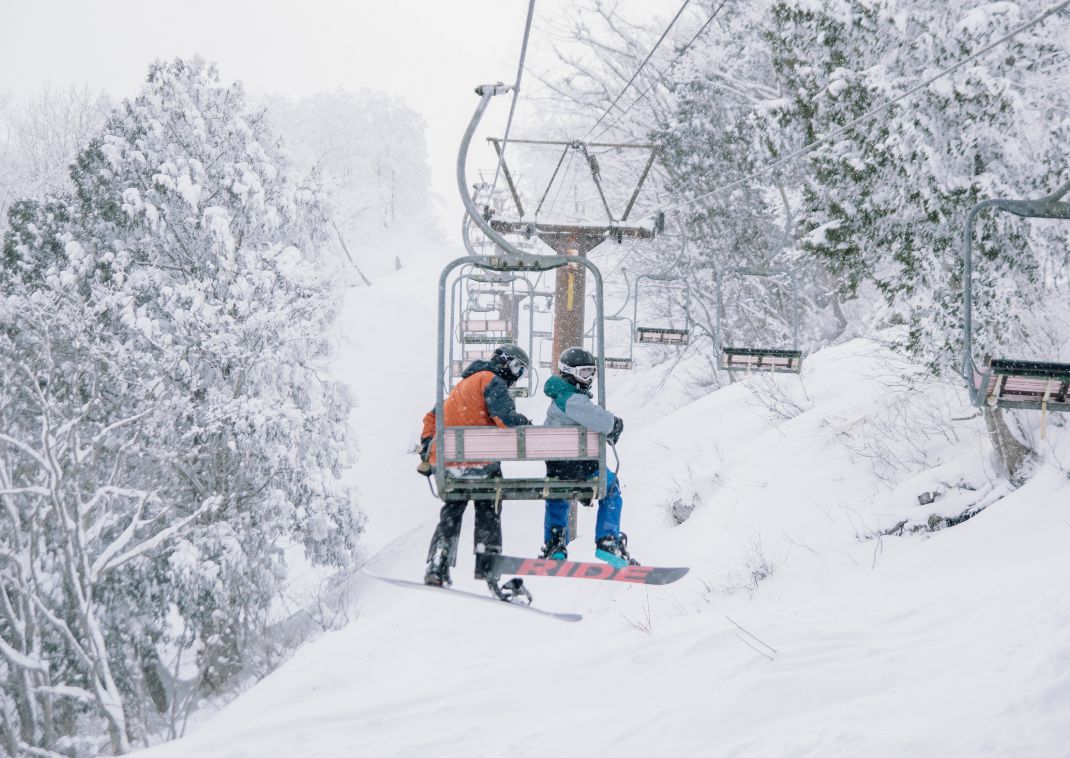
167, 429
40, 137
875, 214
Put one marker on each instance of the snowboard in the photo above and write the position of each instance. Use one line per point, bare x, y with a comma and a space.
474, 596
507, 564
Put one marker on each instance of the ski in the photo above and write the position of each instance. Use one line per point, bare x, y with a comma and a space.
475, 596
507, 564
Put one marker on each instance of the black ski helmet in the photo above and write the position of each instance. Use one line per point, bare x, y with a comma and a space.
513, 359
578, 366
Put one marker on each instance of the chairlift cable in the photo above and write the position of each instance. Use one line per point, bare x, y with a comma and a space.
870, 113
657, 44
561, 184
516, 94
664, 71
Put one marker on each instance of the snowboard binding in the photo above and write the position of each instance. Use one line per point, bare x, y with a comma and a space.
512, 591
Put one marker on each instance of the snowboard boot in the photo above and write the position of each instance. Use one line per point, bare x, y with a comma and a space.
555, 546
484, 570
438, 569
614, 550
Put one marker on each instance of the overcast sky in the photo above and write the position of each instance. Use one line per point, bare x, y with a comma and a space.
430, 52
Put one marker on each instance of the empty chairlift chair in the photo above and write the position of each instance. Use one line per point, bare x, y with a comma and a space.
478, 336
661, 335
620, 362
773, 360
1011, 382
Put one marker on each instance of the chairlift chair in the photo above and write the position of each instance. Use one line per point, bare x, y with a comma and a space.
621, 363
485, 444
772, 360
483, 332
1007, 382
456, 445
657, 334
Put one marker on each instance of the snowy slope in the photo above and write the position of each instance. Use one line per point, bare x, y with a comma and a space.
945, 643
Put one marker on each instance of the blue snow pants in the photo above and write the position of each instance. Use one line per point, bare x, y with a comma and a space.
607, 522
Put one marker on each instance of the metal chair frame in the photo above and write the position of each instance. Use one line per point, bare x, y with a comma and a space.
773, 360
509, 260
1003, 382
660, 335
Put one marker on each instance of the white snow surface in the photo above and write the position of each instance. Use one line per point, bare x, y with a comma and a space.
950, 643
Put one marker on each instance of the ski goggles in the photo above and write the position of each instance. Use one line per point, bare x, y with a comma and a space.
583, 373
517, 367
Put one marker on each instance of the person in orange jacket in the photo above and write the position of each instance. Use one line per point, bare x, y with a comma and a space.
481, 398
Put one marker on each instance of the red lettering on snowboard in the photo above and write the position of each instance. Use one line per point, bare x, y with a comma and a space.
600, 571
633, 574
536, 567
567, 567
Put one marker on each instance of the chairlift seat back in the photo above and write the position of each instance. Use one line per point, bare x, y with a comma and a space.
520, 443
1010, 383
761, 359
484, 331
662, 336
624, 364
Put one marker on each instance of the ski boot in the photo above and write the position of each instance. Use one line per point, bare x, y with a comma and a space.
614, 550
438, 570
555, 546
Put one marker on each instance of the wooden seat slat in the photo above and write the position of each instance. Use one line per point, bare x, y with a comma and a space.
658, 335
484, 443
761, 359
1025, 384
484, 325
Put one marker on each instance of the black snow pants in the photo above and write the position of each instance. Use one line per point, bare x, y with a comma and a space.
488, 530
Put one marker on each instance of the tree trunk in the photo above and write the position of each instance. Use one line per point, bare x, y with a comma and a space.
1014, 457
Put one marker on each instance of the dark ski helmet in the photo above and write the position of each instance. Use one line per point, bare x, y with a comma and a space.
513, 359
578, 366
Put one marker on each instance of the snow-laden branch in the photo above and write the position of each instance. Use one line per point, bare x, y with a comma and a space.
20, 445
67, 690
107, 560
21, 660
106, 491
43, 491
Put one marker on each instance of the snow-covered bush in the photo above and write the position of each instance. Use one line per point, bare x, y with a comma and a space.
165, 427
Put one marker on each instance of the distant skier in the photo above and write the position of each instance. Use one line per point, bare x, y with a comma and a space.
570, 405
481, 398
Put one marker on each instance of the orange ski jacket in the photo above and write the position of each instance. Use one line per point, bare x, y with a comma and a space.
481, 398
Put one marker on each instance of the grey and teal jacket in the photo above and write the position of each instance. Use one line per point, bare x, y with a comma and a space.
571, 406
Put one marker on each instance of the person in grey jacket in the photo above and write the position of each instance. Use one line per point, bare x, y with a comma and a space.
571, 405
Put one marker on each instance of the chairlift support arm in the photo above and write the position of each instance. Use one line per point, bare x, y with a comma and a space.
1050, 206
510, 259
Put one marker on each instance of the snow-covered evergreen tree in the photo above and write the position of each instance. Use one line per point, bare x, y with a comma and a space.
166, 428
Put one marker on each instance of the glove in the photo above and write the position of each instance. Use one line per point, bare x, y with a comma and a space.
425, 468
618, 427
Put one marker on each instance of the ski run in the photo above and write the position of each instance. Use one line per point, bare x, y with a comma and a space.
800, 630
